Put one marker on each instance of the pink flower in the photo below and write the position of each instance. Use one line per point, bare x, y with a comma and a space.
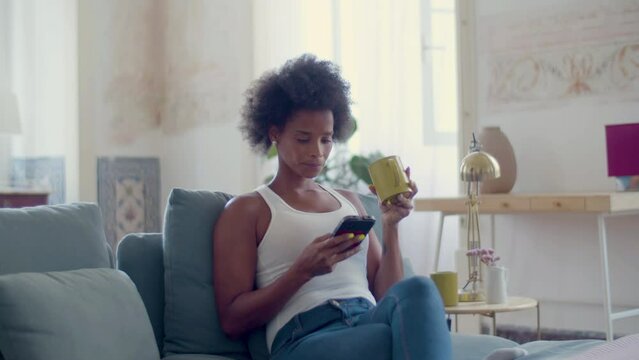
486, 255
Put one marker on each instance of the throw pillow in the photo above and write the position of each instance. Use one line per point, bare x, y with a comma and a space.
191, 323
52, 238
74, 315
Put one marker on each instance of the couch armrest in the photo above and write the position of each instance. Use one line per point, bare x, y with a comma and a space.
141, 256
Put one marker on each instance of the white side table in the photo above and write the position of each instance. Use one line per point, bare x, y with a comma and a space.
515, 303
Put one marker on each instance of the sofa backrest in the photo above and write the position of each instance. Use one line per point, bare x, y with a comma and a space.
191, 324
53, 238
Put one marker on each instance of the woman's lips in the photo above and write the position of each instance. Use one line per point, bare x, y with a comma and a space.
313, 165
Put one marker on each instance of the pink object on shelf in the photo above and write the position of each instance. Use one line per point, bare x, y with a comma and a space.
622, 147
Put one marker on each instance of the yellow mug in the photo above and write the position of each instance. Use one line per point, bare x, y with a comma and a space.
389, 177
446, 282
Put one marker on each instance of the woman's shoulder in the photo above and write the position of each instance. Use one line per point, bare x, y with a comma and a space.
247, 204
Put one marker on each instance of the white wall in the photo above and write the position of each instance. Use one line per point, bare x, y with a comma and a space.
209, 64
165, 79
559, 144
120, 84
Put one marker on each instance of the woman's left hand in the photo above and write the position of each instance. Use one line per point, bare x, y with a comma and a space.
399, 206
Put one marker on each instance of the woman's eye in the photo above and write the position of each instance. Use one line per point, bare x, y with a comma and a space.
327, 140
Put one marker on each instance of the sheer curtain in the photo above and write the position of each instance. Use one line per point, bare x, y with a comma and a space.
380, 48
42, 66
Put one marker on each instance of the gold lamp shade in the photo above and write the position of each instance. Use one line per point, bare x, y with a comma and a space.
479, 166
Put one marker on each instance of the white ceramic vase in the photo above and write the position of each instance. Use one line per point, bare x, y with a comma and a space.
495, 142
495, 285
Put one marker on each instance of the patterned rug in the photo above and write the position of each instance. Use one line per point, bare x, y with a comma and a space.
524, 334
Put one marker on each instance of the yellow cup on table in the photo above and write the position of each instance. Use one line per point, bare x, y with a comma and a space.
446, 282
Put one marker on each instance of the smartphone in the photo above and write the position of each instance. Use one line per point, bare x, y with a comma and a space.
354, 224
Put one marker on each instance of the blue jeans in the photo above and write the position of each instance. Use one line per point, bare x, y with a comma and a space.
407, 323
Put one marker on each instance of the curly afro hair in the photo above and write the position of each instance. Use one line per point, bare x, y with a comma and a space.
303, 83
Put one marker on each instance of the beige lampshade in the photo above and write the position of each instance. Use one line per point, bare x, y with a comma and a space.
9, 114
479, 166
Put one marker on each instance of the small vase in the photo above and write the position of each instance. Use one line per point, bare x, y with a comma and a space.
495, 142
495, 285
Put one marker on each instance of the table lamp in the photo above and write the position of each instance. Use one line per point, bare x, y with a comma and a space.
476, 167
9, 124
622, 150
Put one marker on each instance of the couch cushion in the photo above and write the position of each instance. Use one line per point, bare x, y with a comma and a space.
73, 315
558, 349
474, 347
195, 357
52, 238
191, 324
621, 349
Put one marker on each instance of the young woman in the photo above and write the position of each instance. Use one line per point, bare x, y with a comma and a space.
276, 263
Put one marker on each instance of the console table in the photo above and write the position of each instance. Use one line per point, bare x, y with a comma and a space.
10, 198
603, 205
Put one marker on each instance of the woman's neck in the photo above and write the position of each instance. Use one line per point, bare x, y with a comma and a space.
288, 181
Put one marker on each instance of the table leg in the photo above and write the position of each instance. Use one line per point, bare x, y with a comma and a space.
603, 249
440, 229
494, 324
456, 324
538, 323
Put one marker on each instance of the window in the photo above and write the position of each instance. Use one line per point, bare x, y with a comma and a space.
439, 55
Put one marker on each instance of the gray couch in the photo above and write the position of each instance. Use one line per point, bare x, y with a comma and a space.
78, 303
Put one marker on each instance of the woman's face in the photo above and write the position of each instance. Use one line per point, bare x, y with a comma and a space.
305, 142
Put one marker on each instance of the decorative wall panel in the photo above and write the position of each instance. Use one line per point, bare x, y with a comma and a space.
128, 195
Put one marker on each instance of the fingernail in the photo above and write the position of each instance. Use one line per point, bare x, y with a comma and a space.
351, 235
361, 237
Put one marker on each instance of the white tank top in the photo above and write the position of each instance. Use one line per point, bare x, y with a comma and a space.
288, 233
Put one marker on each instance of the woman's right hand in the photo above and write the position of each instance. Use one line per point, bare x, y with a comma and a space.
321, 255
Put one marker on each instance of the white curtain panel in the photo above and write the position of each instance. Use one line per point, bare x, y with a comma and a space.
41, 57
378, 45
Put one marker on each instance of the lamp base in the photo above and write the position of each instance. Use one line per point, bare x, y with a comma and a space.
470, 296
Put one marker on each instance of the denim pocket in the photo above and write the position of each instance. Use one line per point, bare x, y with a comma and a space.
329, 316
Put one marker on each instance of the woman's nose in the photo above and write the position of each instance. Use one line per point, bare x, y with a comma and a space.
317, 150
